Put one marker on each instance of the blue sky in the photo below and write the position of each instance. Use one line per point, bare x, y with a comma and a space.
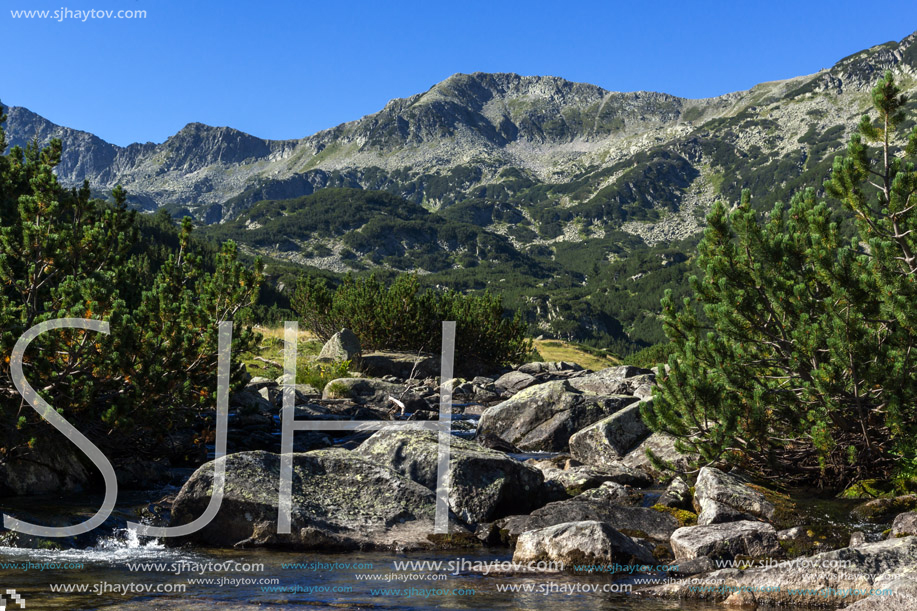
286, 69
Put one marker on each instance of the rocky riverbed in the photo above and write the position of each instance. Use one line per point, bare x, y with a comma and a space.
547, 465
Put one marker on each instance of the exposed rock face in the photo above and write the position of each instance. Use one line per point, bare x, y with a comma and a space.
579, 543
342, 346
793, 585
722, 497
543, 417
639, 522
610, 439
744, 538
340, 501
483, 484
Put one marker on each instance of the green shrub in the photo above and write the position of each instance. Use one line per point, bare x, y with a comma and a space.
317, 375
402, 316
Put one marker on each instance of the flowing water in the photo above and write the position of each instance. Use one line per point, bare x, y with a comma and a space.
287, 580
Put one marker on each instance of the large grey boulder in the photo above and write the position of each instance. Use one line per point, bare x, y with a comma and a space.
610, 439
746, 538
580, 547
543, 417
342, 346
483, 484
340, 501
843, 576
641, 522
722, 497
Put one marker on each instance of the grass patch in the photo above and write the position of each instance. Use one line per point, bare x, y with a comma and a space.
584, 356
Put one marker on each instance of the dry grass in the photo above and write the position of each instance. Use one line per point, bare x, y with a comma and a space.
556, 350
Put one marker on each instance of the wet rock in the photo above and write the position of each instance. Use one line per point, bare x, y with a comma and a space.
722, 497
543, 417
340, 501
746, 538
609, 439
579, 543
342, 346
483, 484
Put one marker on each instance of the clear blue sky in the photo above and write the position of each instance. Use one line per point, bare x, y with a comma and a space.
286, 69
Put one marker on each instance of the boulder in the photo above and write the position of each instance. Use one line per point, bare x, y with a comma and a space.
796, 585
510, 383
579, 479
342, 346
622, 380
369, 391
896, 590
483, 484
543, 417
677, 495
641, 522
340, 501
722, 497
609, 439
579, 547
905, 524
663, 447
402, 365
248, 400
50, 469
549, 367
885, 509
745, 538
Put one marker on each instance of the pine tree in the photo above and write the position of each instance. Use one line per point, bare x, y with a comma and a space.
65, 254
793, 357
